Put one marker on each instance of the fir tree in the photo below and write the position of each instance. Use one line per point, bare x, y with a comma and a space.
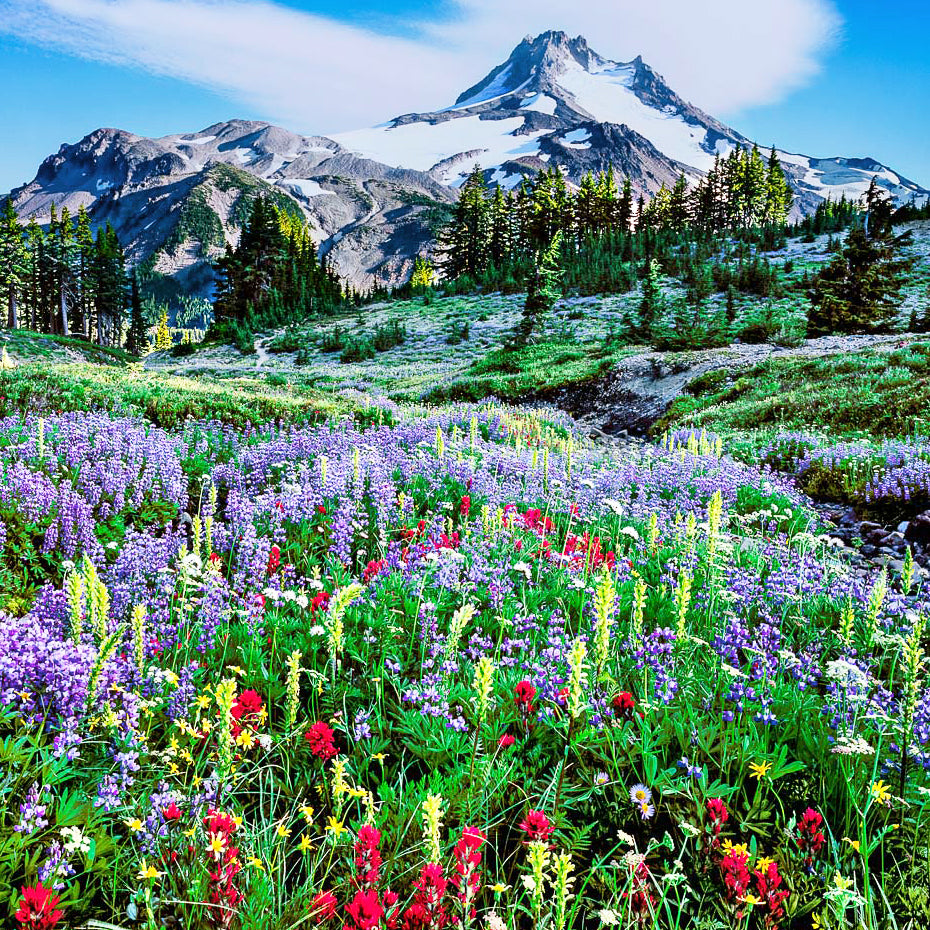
652, 305
860, 290
136, 338
542, 289
13, 264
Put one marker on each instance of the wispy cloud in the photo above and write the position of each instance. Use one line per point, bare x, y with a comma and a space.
317, 74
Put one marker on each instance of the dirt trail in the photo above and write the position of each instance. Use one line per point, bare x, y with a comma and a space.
639, 389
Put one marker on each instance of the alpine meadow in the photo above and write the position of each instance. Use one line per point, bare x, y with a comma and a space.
513, 516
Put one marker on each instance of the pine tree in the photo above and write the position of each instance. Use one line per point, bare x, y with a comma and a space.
136, 338
652, 305
860, 290
465, 247
778, 193
13, 264
542, 289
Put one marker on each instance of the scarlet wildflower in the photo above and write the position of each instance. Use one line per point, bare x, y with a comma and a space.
523, 694
427, 909
810, 835
246, 712
37, 908
465, 505
322, 740
735, 874
367, 856
172, 812
274, 559
323, 907
467, 855
320, 602
768, 888
536, 826
365, 910
505, 741
320, 509
624, 705
640, 897
372, 569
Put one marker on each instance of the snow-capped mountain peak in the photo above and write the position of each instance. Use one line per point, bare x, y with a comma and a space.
556, 101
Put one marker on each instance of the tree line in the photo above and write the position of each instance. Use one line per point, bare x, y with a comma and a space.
272, 277
498, 234
67, 280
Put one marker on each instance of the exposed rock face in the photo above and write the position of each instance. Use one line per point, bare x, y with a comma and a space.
178, 200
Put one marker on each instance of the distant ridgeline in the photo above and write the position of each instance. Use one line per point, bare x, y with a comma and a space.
606, 235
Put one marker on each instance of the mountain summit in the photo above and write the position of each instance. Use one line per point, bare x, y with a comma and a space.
555, 101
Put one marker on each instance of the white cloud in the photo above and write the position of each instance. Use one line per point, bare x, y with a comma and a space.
318, 75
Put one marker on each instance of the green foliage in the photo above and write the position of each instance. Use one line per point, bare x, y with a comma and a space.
843, 393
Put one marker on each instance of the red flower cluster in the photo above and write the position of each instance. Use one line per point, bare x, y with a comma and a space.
37, 908
367, 857
642, 900
506, 740
427, 909
735, 874
624, 705
586, 550
322, 740
323, 907
810, 835
768, 888
372, 569
717, 815
224, 866
171, 813
365, 910
534, 520
246, 712
536, 826
465, 505
274, 560
467, 877
320, 602
523, 694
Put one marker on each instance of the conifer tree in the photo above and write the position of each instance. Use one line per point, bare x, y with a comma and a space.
136, 338
860, 290
13, 264
542, 289
652, 305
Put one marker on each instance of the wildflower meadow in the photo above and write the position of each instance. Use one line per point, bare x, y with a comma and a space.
420, 668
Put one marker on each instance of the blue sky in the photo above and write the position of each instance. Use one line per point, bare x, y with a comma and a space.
823, 77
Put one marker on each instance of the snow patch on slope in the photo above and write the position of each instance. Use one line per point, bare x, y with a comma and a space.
307, 186
422, 145
608, 96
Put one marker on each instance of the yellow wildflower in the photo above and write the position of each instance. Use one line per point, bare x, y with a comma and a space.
843, 884
881, 792
759, 770
283, 831
741, 849
763, 863
256, 863
135, 825
336, 827
853, 843
148, 871
305, 843
244, 739
307, 812
216, 843
203, 702
379, 757
751, 900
